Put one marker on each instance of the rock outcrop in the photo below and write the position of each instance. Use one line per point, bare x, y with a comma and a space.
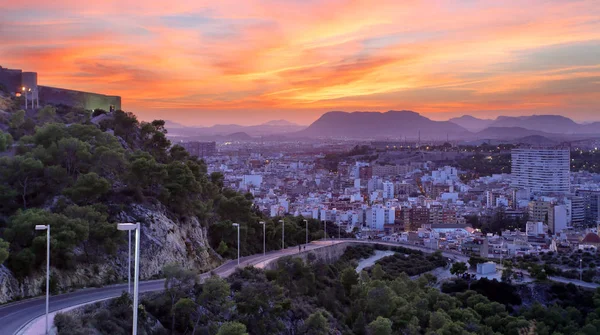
164, 240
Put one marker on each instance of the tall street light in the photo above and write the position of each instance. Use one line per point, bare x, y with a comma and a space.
136, 276
282, 234
47, 228
325, 229
306, 222
238, 246
580, 270
264, 238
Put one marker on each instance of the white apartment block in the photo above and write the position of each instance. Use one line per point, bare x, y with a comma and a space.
378, 215
388, 190
541, 171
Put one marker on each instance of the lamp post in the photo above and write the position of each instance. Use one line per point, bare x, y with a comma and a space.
238, 246
306, 222
580, 270
129, 264
136, 227
264, 238
282, 234
25, 94
339, 231
47, 228
325, 230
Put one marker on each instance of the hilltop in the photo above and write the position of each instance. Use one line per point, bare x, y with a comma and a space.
391, 124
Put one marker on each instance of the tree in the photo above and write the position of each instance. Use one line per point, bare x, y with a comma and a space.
74, 154
458, 268
103, 236
47, 113
178, 283
23, 174
88, 189
5, 141
360, 325
381, 326
222, 249
17, 119
507, 272
66, 234
232, 328
316, 324
349, 278
377, 273
3, 250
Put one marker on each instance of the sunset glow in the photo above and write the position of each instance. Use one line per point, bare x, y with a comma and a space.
246, 62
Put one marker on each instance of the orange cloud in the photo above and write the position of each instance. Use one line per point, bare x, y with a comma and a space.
296, 59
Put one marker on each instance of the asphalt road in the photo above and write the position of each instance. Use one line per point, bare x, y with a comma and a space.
16, 315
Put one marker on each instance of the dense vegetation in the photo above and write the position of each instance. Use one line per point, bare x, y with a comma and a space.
564, 265
316, 298
62, 169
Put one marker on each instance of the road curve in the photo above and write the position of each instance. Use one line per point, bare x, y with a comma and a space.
16, 315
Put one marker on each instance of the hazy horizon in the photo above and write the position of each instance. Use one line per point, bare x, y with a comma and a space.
227, 62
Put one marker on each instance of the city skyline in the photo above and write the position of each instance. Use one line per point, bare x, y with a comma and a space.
220, 63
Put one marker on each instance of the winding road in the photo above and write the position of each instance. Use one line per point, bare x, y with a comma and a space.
14, 317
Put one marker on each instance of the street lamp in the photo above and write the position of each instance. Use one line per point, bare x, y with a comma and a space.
580, 270
306, 222
264, 238
325, 230
47, 228
136, 227
339, 231
282, 234
238, 246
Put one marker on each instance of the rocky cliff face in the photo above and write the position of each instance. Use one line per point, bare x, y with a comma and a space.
163, 241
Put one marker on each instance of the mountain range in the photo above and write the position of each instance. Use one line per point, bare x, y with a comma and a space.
553, 124
265, 129
397, 125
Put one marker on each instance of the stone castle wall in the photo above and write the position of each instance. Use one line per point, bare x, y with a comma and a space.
85, 100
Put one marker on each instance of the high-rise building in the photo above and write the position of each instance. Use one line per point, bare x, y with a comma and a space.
577, 211
591, 199
541, 171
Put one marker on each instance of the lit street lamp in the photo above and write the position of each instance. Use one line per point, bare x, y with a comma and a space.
282, 234
238, 245
129, 227
264, 238
580, 270
47, 228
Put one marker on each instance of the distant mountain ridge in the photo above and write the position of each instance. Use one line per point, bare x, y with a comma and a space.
266, 129
391, 124
471, 123
553, 124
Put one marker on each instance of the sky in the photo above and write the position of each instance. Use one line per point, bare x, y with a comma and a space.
247, 62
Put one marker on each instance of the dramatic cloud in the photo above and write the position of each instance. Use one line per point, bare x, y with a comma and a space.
205, 62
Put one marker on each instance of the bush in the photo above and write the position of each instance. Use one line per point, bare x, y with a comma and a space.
66, 323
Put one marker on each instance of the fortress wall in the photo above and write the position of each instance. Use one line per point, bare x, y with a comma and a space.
85, 100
